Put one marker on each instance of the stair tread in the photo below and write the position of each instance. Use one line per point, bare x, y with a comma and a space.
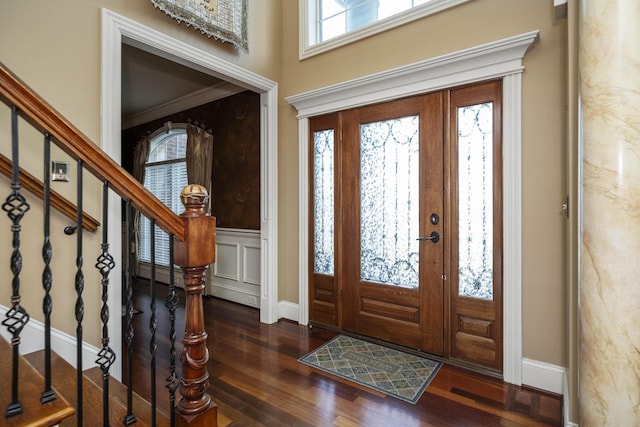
31, 385
64, 379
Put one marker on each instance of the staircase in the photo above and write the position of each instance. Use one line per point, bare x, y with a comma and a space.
32, 383
61, 410
42, 388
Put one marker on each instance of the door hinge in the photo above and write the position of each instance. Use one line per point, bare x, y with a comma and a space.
340, 135
565, 207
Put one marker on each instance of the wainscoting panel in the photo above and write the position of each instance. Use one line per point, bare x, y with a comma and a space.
235, 275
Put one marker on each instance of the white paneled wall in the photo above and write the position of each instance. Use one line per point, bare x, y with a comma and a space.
235, 276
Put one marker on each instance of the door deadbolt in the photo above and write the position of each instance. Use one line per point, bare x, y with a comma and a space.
434, 218
434, 237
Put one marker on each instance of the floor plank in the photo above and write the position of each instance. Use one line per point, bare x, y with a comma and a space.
256, 380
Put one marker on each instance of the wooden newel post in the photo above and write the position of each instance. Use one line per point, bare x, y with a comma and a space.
194, 255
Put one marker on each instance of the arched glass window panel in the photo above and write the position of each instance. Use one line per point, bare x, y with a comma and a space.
165, 177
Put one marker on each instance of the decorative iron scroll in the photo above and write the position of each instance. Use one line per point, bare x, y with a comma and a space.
224, 20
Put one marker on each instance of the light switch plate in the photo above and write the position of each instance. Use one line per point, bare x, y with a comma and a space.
60, 171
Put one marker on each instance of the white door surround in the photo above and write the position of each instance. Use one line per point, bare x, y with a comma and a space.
499, 59
116, 30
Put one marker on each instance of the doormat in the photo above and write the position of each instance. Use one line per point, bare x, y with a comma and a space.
392, 372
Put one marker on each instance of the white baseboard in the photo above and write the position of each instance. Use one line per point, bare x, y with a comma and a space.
32, 339
544, 376
566, 399
233, 294
288, 310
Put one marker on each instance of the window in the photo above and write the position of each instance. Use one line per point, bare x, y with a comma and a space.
326, 24
165, 176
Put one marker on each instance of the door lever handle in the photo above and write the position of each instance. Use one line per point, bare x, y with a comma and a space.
434, 237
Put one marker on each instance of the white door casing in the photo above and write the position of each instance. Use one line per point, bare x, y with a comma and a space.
116, 30
499, 59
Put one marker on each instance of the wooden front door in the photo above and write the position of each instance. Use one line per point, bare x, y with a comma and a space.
406, 223
392, 251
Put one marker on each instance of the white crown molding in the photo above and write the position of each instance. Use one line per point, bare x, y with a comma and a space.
195, 99
495, 59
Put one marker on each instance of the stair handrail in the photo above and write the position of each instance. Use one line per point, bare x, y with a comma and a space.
36, 187
193, 233
72, 141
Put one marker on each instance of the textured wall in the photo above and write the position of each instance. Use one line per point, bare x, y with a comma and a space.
235, 124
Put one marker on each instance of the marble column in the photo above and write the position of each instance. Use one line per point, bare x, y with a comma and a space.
609, 309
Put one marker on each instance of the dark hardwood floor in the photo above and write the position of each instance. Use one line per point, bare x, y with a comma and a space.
256, 380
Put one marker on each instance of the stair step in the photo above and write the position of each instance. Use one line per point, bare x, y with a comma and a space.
118, 394
64, 380
31, 385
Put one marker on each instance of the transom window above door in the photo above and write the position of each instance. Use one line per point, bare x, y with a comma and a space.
327, 24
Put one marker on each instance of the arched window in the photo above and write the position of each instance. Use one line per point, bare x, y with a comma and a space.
165, 176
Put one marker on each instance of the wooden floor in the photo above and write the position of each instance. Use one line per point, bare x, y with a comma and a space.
256, 380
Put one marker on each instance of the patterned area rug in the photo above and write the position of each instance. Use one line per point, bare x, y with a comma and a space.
389, 371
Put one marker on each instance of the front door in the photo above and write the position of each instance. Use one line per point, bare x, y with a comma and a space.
406, 224
393, 254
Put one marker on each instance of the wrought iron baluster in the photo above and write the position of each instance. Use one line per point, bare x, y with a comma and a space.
17, 317
79, 311
48, 394
105, 264
171, 302
130, 417
153, 321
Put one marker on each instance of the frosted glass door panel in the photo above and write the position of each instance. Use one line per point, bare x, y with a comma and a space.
389, 194
475, 200
323, 199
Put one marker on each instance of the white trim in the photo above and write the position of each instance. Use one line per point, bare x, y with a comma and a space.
289, 310
308, 47
269, 206
543, 376
63, 344
303, 224
490, 60
110, 137
233, 294
512, 227
117, 29
566, 401
502, 58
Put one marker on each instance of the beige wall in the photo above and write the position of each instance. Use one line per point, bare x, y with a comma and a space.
468, 25
55, 48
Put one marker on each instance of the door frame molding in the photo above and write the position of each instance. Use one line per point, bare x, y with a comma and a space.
498, 59
116, 30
